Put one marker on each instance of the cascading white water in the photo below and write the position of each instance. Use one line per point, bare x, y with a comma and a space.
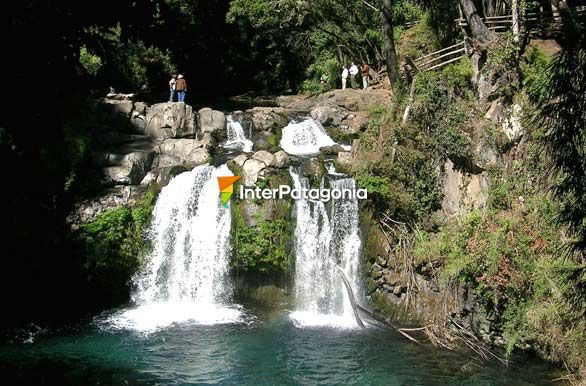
305, 137
185, 276
236, 136
326, 237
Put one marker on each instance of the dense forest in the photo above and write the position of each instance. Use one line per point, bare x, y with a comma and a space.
524, 255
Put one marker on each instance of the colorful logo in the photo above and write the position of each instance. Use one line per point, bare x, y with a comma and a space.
227, 188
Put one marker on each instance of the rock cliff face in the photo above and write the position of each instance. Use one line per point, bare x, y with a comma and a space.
141, 144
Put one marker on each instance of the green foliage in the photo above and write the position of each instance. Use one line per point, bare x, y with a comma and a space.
114, 241
440, 109
560, 122
92, 63
305, 39
125, 64
264, 248
511, 257
315, 73
534, 67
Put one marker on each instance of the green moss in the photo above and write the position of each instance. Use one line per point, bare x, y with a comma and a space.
264, 248
114, 243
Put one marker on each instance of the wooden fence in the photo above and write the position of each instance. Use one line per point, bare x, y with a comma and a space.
438, 59
533, 23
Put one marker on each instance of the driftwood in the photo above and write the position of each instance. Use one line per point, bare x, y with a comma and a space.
351, 297
357, 307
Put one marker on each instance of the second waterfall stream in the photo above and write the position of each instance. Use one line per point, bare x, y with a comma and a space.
326, 240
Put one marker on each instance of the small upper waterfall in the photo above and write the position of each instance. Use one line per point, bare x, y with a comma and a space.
305, 137
236, 136
185, 276
326, 237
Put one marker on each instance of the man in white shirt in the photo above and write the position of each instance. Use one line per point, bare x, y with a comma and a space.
344, 77
353, 73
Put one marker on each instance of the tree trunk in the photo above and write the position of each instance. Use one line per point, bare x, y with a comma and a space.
479, 30
390, 52
571, 31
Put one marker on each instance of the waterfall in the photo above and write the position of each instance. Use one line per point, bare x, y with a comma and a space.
326, 236
305, 137
236, 136
184, 279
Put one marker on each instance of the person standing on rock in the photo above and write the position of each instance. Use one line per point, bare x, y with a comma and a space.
364, 69
344, 77
353, 73
172, 83
181, 88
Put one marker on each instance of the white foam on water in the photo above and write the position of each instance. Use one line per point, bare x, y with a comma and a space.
304, 138
156, 316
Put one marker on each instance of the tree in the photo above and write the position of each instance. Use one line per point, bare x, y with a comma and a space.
390, 51
479, 30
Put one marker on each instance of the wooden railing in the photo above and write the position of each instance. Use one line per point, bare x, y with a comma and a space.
532, 22
439, 58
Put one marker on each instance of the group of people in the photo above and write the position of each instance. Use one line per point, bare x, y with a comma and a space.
177, 87
353, 72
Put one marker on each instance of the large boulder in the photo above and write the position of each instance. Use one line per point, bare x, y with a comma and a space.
282, 160
170, 120
116, 106
251, 170
267, 118
240, 160
329, 115
128, 169
211, 121
184, 152
265, 157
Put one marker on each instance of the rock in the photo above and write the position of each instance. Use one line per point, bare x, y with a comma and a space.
282, 160
392, 278
149, 178
240, 160
397, 290
265, 157
261, 143
138, 121
313, 168
165, 174
185, 152
170, 120
87, 210
131, 168
376, 267
381, 262
377, 275
140, 107
329, 115
351, 100
251, 170
392, 298
332, 150
123, 107
512, 125
267, 118
354, 123
345, 159
211, 120
388, 288
463, 191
